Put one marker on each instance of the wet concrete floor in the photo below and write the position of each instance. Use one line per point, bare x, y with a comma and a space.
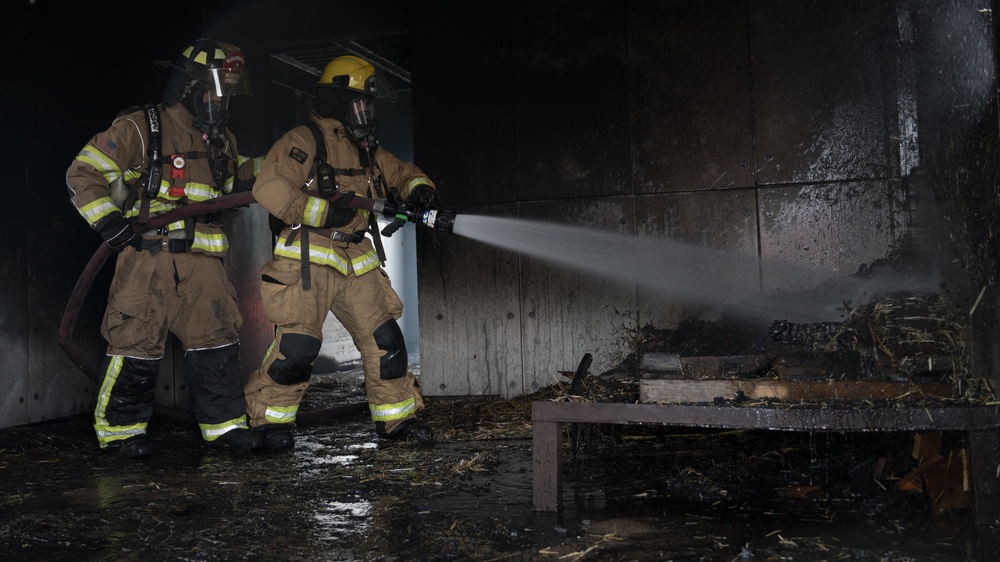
632, 494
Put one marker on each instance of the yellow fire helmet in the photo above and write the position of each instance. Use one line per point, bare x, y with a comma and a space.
354, 73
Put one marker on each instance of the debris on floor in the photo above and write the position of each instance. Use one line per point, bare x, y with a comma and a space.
637, 493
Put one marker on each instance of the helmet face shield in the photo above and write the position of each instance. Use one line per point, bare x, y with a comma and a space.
211, 66
230, 80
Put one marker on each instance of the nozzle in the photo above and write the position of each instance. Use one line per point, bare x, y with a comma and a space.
440, 220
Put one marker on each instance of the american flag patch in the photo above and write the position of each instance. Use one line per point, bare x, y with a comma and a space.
106, 145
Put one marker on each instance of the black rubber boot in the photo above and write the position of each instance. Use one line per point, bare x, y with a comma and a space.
277, 436
238, 440
409, 430
135, 447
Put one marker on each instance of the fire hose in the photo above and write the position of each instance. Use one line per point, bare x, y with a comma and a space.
438, 219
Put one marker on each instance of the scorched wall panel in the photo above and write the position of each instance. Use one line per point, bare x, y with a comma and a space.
689, 95
470, 314
818, 89
567, 312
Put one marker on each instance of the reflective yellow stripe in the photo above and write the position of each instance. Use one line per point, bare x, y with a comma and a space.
212, 431
328, 256
317, 254
100, 161
156, 207
96, 210
211, 243
313, 212
257, 161
281, 414
417, 181
397, 411
107, 433
199, 191
366, 263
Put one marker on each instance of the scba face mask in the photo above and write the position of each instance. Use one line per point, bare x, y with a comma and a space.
211, 112
361, 118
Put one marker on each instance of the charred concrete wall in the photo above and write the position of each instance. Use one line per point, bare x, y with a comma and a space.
785, 131
956, 67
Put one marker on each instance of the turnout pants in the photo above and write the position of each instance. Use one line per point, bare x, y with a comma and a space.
361, 304
151, 295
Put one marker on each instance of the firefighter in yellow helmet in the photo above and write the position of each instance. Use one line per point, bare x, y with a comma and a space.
169, 279
327, 257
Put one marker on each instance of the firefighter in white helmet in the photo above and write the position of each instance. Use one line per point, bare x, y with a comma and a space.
170, 279
327, 256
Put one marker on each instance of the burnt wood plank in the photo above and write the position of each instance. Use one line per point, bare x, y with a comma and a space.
665, 391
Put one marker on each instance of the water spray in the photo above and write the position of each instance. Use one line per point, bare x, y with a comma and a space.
731, 280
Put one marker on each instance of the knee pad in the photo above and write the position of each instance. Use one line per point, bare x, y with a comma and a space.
389, 338
300, 351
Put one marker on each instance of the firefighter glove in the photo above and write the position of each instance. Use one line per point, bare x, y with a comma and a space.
341, 212
118, 234
423, 196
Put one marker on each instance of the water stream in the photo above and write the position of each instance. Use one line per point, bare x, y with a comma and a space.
695, 273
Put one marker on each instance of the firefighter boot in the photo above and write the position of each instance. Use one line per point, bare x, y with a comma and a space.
135, 447
277, 436
409, 430
239, 440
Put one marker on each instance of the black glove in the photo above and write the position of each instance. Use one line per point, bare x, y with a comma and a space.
243, 185
118, 234
423, 196
341, 212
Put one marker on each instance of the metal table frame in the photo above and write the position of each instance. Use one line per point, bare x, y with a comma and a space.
981, 425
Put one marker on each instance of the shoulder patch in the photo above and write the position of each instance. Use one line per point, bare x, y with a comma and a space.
106, 145
298, 154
